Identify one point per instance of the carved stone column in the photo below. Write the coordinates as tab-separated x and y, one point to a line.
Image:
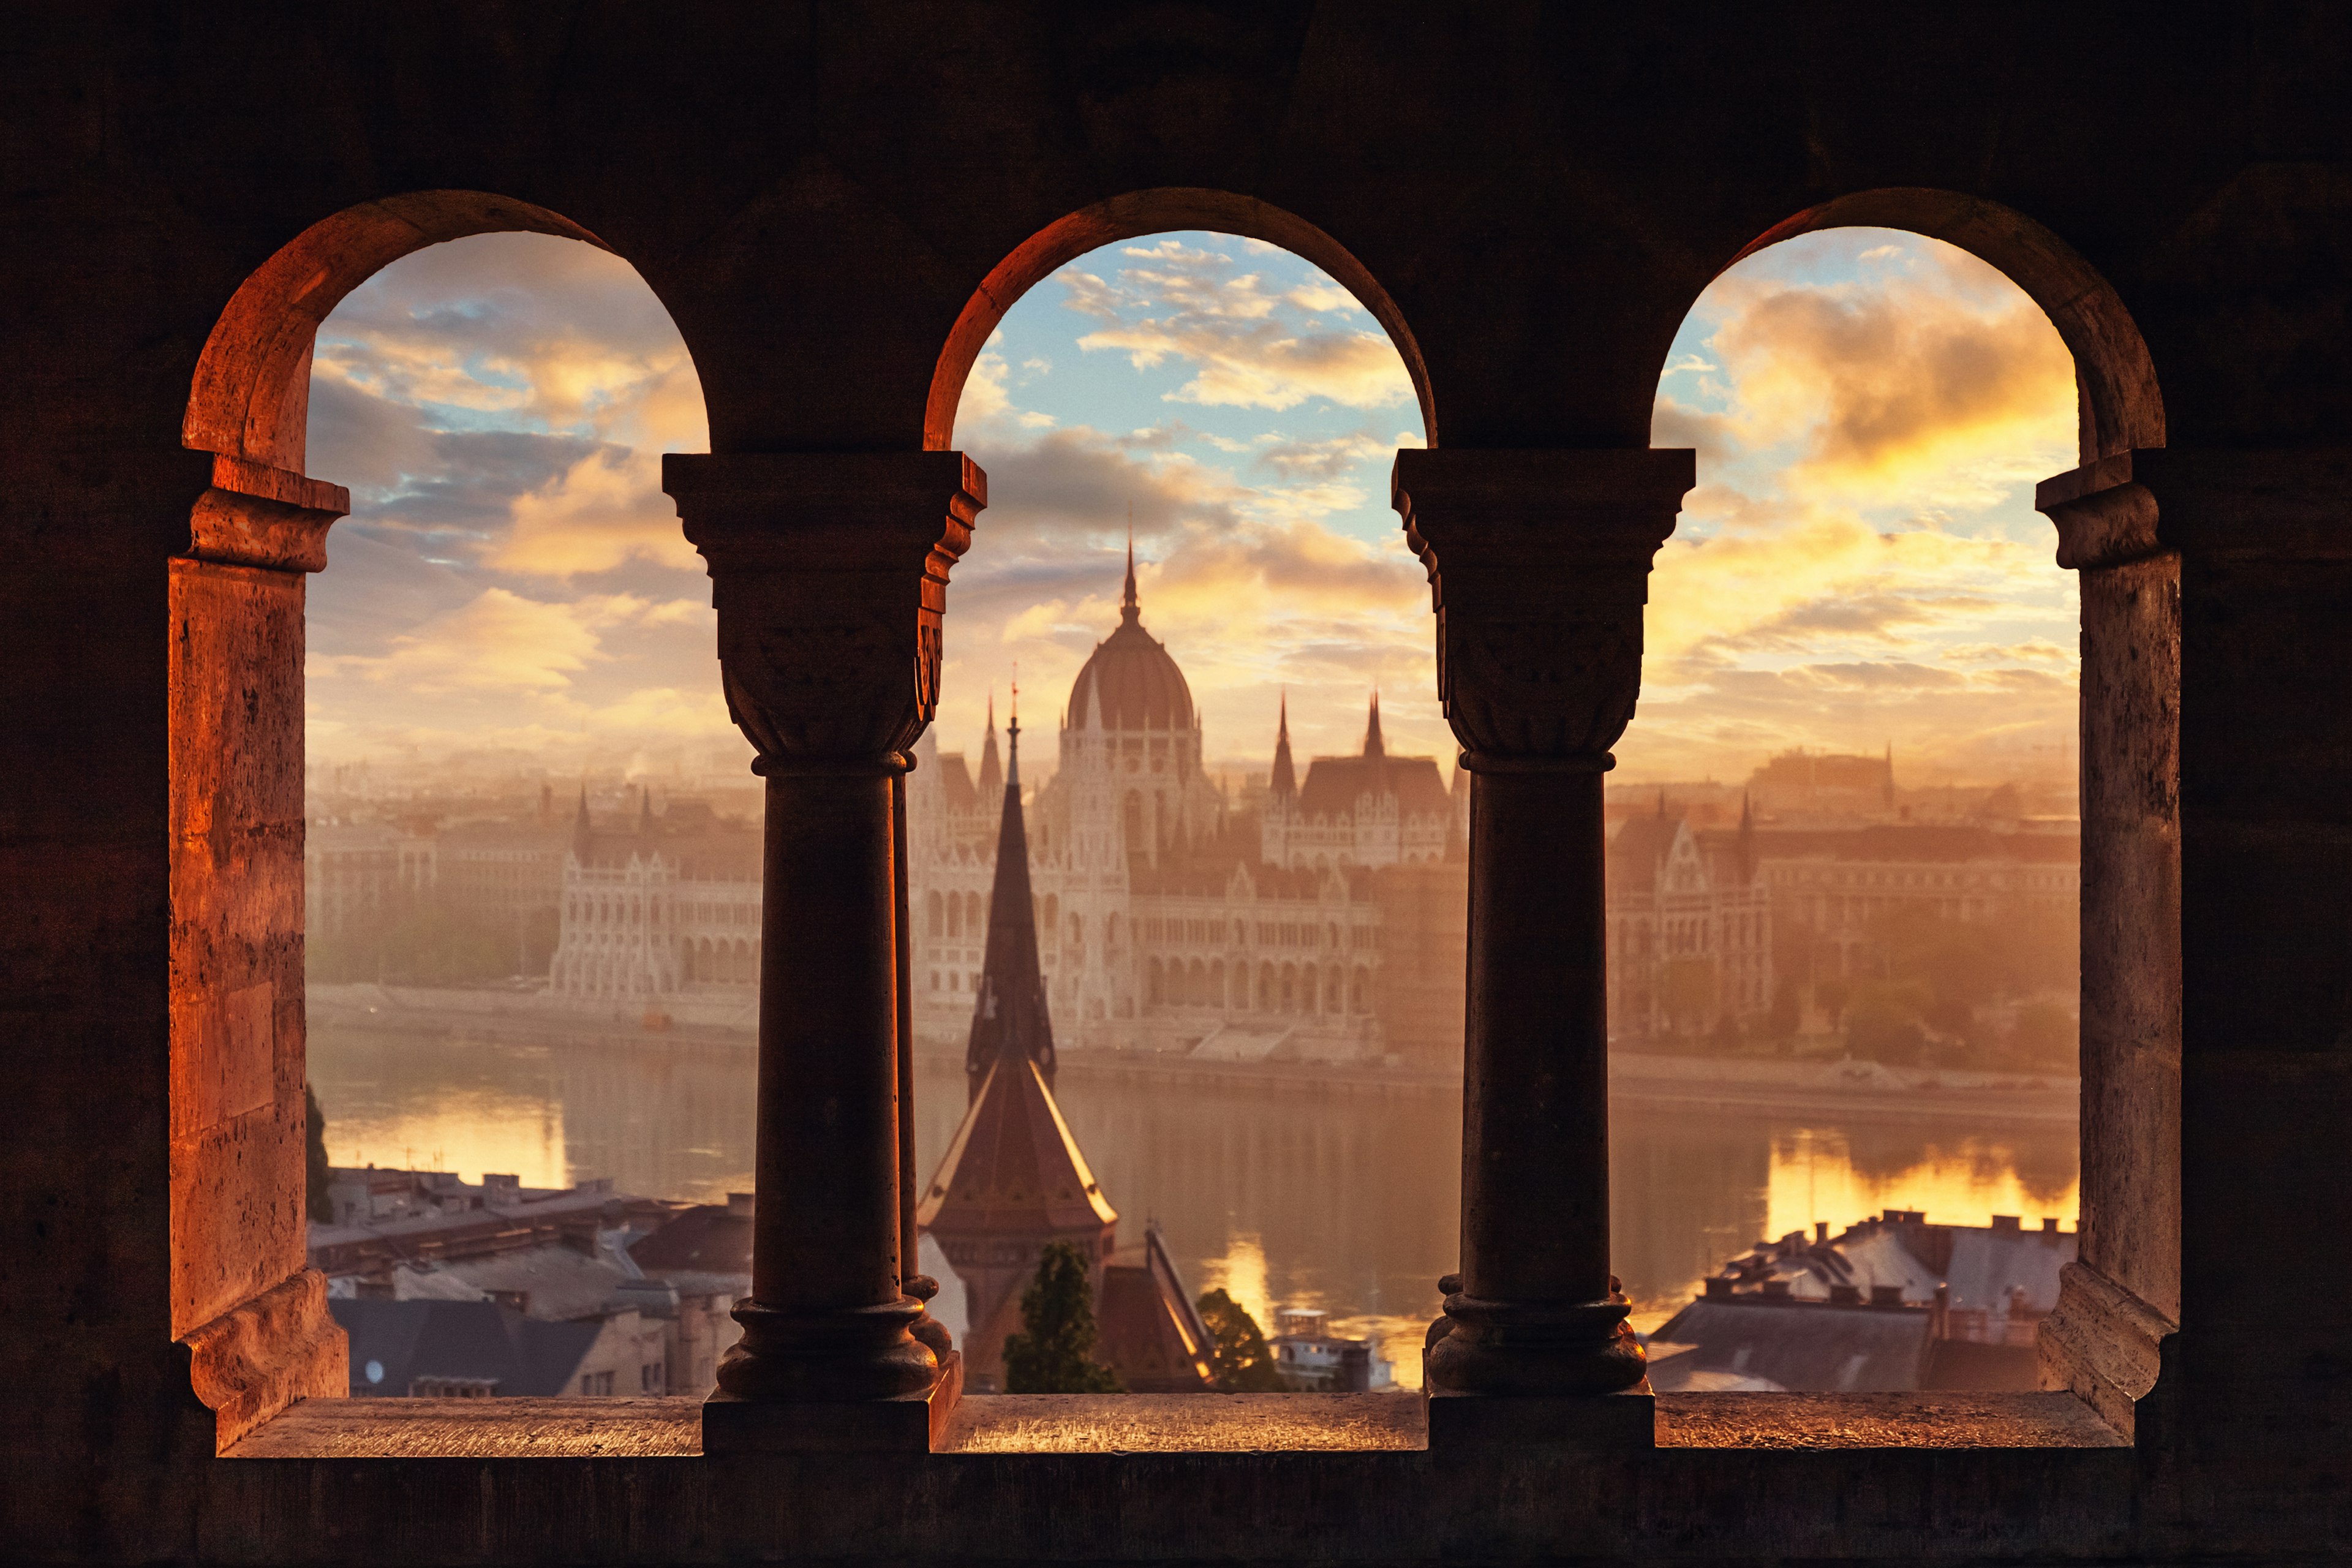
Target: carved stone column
253	1317
829	573
2217	843
1538	566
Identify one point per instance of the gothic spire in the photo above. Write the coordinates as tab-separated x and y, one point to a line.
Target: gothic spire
991	774
584	838
1009	1019
1372	743
1129	610
1284	781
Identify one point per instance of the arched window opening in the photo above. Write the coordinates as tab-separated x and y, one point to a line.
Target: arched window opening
1860	672
521	776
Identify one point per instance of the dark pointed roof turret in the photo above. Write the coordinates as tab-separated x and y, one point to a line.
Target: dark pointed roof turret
1009	1019
1373	745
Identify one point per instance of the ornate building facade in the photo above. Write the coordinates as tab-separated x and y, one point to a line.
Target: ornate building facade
1690	927
1170	920
661	920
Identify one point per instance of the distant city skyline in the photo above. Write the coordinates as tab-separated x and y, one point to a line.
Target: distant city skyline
1859	565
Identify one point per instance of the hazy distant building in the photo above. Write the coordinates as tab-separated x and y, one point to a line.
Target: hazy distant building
1689	927
356	873
1824	784
507	877
660	919
1328	924
1836	884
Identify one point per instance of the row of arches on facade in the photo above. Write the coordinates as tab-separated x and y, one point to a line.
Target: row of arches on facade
1267	988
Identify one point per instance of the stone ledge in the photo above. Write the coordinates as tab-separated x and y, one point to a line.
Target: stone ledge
1043	1424
1186	1423
1804	1422
479	1429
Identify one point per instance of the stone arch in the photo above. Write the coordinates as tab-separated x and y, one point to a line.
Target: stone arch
934	915
975	916
251	394
2121	405
1130	216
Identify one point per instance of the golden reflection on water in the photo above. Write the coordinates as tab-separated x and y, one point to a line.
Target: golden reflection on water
466	1130
1240	1274
1815	1177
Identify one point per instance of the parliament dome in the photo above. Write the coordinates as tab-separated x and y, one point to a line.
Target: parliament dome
1133	676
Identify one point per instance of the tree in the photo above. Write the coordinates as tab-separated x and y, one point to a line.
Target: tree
317	1173
1054	1354
1786	1018
1244	1362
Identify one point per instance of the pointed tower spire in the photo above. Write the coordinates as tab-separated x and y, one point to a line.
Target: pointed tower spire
1284	780
1009	1020
1131	611
644	811
1373	745
991	772
1746	839
584	838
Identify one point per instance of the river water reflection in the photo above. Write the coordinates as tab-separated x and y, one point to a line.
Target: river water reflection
1340	1198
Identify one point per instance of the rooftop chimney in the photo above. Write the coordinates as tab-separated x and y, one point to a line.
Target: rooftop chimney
1886	1295
1718	1288
2007	1225
1776	1287
1845	1295
1821	1232
2049	1230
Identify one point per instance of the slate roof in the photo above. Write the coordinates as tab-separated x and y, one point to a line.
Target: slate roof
704	1239
1151	1335
1799	1346
1013	1168
475	1340
1334	785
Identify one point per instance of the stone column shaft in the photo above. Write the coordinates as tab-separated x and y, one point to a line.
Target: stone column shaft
829	575
1538	564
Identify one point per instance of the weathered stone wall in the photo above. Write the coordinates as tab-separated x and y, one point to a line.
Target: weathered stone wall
1531	197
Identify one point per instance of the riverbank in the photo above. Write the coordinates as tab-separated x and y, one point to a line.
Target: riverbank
1638	1082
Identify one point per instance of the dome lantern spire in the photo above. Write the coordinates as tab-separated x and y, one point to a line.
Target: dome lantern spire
1130	612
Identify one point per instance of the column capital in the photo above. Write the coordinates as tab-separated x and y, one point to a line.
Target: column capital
2281	504
829	572
256	515
1538	564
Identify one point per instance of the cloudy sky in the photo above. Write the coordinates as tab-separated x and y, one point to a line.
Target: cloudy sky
1860	566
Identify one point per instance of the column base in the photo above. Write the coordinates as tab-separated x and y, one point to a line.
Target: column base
1597	1422
908	1424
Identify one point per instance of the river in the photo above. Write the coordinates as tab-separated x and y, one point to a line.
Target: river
1302	1194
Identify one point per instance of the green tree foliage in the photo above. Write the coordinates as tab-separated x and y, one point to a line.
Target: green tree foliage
1054	1354
316	1171
1832	995
1244	1363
